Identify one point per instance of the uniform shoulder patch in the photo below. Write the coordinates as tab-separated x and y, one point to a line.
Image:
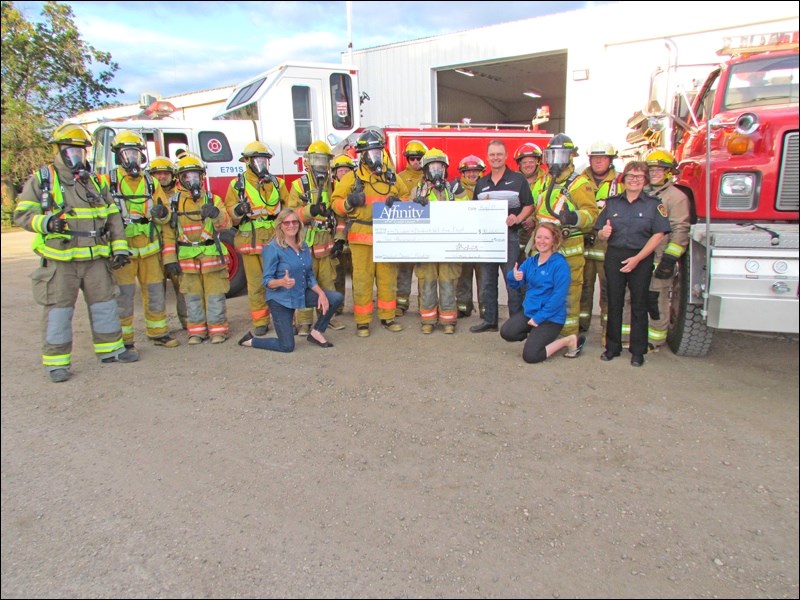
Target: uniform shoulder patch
662	210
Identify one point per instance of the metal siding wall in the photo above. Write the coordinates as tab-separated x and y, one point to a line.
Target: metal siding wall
618	76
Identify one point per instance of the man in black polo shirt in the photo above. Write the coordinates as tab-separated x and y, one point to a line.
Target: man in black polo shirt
502	183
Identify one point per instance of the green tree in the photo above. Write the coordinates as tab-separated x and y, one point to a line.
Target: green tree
48	74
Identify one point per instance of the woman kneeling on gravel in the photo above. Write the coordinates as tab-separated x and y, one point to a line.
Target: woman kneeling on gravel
544	310
290	284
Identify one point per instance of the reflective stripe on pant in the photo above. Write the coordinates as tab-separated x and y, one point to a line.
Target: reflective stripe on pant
55	287
437	284
405	274
180	301
576	263
366	274
205	302
150	275
256	295
593	270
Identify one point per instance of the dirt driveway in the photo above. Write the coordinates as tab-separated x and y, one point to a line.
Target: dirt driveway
398	466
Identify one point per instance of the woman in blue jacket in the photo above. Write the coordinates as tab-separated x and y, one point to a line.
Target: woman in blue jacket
290	284
546	278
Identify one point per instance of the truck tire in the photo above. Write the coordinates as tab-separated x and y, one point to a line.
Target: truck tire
688	334
235	267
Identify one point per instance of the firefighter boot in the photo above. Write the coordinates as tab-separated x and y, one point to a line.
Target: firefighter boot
58	375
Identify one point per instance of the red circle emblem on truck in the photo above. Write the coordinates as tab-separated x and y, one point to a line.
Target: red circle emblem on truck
214	146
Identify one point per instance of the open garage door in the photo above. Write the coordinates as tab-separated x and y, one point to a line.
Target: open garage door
502	92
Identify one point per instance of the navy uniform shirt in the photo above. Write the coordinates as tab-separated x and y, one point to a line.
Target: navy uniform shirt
510	181
633	223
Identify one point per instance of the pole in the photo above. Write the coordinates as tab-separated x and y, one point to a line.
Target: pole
349	6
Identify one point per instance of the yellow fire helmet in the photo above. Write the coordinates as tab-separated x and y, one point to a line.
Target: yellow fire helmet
127	139
256	149
71	134
434	155
342	160
415	148
161	163
190	162
662	158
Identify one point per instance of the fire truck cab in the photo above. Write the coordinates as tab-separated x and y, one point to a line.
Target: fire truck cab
736	142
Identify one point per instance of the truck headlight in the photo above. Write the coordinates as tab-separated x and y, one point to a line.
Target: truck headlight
737	191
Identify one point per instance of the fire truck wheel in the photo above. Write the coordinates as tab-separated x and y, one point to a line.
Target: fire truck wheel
688	333
235	268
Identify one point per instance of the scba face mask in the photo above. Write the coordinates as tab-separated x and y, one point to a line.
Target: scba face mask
557	159
374	160
192	181
131	159
260	166
319	166
436	173
75	159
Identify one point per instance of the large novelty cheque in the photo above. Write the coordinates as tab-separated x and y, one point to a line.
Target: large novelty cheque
462	231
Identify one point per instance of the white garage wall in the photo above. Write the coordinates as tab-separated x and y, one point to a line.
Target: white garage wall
620	44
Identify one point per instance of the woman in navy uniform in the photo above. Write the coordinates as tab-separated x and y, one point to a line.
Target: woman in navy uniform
634	223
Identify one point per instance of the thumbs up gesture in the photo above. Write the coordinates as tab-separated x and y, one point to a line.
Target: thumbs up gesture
288	282
606	231
518	275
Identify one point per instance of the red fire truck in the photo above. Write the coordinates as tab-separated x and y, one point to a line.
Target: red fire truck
736	141
287	108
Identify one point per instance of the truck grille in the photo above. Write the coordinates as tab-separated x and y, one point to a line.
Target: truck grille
788	185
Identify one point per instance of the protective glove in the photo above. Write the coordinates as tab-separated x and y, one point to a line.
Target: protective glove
568	217
666	268
120	260
172	270
391	200
356	199
421	200
652	306
338	248
241	209
56	225
209	211
159	212
391	178
317	210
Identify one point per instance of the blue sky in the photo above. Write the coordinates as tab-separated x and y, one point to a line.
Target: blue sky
178	47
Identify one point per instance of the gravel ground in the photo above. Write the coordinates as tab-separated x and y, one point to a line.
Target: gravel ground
398	466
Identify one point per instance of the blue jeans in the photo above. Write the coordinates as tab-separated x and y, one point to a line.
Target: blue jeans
489	289
282	320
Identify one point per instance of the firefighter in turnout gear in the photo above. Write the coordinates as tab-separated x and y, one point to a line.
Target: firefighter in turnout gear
143	206
529	162
162	170
353	198
601	179
661	169
471	168
253	201
79	234
340	166
310	197
437	281
411	176
192	248
574	209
